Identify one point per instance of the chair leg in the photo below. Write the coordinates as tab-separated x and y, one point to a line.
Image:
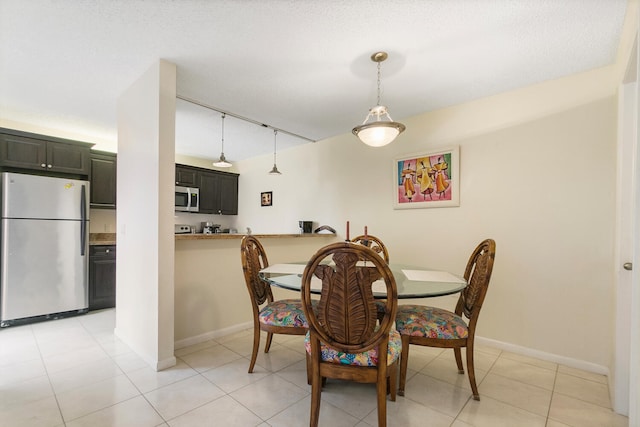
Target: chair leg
316	389
381	388
392	380
256	346
458	354
267	346
404	359
471	371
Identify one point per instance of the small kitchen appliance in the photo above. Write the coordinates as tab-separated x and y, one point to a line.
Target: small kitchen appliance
187	199
182	229
305	226
210	228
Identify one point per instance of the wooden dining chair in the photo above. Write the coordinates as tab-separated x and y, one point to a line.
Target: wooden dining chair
436	327
344	339
376	245
373	243
269	315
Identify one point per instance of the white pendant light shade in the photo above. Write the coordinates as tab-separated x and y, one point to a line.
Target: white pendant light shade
377	132
222	162
378	128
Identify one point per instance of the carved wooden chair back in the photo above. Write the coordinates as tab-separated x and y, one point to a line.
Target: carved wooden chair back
254	259
269	315
373	243
478	274
344	321
437	327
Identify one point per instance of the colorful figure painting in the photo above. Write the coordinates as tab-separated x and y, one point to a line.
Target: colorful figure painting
427	180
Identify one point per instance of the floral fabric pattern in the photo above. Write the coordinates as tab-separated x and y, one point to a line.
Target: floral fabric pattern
430	322
286	312
368	358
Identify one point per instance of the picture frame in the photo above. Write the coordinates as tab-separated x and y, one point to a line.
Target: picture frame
266	198
427	180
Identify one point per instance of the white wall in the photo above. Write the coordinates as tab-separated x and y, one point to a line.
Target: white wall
144	277
538	178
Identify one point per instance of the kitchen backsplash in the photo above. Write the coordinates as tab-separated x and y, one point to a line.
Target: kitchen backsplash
104	220
195	219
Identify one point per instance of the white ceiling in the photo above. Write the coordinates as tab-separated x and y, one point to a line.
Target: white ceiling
302	66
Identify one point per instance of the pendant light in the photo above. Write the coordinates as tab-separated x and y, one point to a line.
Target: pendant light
275	170
377	131
222	163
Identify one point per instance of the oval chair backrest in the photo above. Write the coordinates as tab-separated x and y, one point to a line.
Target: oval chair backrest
477	274
373	243
346	315
254	259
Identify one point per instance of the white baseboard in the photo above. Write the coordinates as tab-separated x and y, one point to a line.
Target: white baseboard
186	342
525	351
549	357
165	363
158	365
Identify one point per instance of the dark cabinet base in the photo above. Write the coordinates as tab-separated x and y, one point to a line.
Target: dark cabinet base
102	277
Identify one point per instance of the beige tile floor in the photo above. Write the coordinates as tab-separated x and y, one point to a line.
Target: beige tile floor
74	372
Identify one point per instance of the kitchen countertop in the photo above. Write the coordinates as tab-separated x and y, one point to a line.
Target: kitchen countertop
110	238
102	239
219	236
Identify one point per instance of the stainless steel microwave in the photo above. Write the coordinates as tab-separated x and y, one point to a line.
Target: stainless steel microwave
187	199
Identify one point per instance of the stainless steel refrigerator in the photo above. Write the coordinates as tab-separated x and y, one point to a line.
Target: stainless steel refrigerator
44	247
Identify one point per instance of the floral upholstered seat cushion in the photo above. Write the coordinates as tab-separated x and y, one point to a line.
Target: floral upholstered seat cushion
287	313
367	358
381	307
430	322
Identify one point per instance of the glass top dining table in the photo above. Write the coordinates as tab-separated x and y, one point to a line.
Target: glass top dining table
411	281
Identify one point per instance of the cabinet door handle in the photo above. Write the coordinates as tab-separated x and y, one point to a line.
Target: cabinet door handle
49	166
43	165
108	250
627	266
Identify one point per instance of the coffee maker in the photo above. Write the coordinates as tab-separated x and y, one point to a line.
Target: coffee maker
305	226
210	228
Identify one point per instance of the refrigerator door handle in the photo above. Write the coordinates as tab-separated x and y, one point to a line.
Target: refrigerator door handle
83	220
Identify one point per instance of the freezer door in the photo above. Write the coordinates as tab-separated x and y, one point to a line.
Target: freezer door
32	196
42	269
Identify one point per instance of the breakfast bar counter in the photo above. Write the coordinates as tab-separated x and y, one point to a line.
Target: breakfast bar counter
210	294
215	236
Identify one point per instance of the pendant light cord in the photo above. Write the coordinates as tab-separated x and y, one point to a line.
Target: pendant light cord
378	84
223	116
275	137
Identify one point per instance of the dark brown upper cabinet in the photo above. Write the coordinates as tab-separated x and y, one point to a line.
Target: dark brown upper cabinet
186	176
43	154
103	179
218	190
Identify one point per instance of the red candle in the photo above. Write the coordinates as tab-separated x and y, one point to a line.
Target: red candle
347	230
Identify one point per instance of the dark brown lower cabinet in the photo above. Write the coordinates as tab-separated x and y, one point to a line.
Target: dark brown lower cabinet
102	276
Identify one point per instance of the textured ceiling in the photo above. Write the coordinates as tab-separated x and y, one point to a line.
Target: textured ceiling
302	66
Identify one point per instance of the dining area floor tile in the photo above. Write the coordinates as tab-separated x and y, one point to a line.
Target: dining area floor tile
74	372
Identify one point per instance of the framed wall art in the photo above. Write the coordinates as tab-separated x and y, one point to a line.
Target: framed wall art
266	198
427	180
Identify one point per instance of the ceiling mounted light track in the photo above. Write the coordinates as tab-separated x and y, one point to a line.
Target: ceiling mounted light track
222	163
275	170
246	119
376	130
